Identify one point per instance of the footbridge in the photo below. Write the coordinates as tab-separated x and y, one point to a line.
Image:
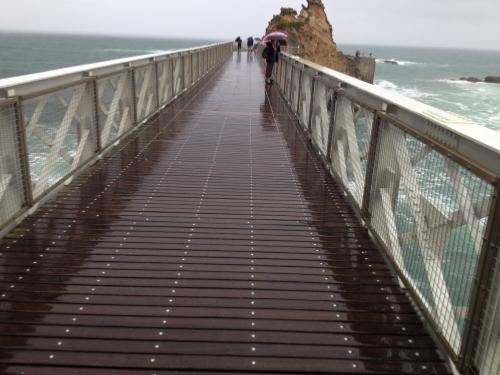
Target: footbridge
170	214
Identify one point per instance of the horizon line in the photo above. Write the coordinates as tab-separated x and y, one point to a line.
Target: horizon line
124	36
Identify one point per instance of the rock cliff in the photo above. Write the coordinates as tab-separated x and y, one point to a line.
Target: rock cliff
310	36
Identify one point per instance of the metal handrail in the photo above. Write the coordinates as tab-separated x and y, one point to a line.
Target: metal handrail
55	124
426	184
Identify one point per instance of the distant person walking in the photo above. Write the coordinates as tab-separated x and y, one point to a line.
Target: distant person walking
250	43
271	54
238	40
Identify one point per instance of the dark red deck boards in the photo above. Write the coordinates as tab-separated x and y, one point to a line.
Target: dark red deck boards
210	242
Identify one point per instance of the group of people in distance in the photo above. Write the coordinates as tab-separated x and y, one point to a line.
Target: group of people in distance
270	53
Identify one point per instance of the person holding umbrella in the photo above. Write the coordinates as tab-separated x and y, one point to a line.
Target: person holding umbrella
271	55
238	41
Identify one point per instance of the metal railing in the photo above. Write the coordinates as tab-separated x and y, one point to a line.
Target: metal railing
426	183
53	124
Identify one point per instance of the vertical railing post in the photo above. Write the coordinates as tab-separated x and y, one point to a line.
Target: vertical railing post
134	96
331	126
200	65
24	153
299	94
311	102
278	73
191	76
172	77
203	55
157	82
282	74
95	93
483	284
182	71
370	166
290	84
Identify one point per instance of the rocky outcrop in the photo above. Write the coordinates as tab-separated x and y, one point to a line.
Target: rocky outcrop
471	79
487	79
310	36
492	79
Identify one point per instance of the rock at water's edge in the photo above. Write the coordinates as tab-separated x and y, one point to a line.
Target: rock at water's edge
470	79
492	79
391	62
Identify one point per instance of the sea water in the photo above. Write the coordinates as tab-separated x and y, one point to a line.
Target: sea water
432	76
32	53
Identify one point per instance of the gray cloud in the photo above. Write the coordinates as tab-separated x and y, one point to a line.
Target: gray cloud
444	23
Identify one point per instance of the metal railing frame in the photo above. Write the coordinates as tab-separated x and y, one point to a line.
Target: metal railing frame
473	147
16	90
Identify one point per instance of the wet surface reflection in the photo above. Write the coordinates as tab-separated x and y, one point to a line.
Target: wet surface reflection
213	240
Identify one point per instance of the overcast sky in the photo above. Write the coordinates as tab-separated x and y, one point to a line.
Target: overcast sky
436	23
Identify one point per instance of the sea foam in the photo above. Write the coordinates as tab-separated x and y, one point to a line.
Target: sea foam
399	62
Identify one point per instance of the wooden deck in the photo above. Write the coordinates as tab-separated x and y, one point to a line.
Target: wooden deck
210	242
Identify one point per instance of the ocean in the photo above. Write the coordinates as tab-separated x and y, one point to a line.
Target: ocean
429	75
32	53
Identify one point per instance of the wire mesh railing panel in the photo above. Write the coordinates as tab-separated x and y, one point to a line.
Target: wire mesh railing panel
431	215
428	198
60	132
351	145
188	73
12	197
145	91
54	126
486	359
165	80
322	109
115	107
304	106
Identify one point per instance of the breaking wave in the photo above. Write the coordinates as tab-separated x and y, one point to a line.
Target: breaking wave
399	62
411	92
125	50
386	84
458	82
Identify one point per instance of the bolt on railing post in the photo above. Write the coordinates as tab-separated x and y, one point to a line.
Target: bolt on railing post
370	166
483	282
23	152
